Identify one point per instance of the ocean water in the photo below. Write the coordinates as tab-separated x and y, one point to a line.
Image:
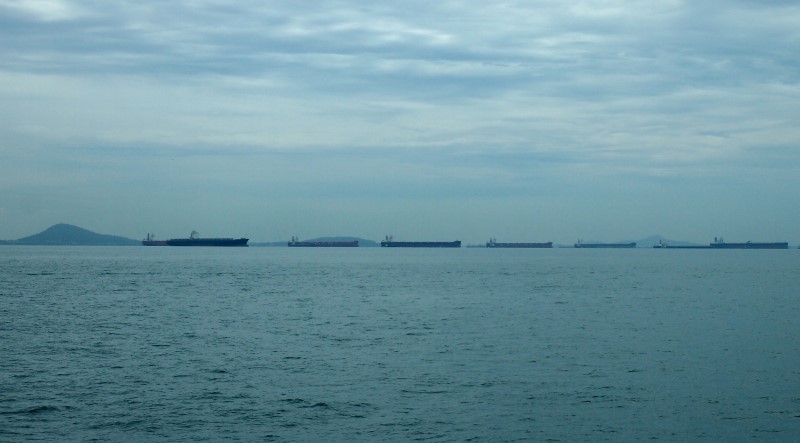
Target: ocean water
370	344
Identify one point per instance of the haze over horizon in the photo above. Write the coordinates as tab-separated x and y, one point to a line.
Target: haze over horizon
525	121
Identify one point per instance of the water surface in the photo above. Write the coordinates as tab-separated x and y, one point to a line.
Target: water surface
284	344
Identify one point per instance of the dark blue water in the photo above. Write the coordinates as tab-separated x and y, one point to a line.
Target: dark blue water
279	344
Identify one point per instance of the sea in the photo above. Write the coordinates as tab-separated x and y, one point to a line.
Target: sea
386	344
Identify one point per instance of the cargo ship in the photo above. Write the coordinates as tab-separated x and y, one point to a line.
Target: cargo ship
390	243
662	245
296	243
195	240
581	244
492	243
719	243
151	241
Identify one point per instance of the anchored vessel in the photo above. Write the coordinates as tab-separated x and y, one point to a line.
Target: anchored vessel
390	243
662	245
296	243
492	243
151	241
581	244
719	243
195	240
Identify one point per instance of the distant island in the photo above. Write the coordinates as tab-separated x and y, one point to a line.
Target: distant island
64	234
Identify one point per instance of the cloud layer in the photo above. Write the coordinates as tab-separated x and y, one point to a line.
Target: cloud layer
396	105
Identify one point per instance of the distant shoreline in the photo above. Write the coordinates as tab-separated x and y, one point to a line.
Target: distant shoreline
63	234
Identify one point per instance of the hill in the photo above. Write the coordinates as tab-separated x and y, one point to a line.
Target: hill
63	234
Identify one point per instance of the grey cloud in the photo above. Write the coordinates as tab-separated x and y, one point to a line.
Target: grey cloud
511	98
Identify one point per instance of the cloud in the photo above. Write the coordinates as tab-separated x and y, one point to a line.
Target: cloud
507	99
43	10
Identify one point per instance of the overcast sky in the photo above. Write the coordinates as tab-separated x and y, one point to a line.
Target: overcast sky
523	120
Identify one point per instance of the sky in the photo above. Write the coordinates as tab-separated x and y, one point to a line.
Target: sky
528	120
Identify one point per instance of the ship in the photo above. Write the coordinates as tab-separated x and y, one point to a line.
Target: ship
390	243
662	245
195	240
581	244
493	243
296	243
151	241
719	243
